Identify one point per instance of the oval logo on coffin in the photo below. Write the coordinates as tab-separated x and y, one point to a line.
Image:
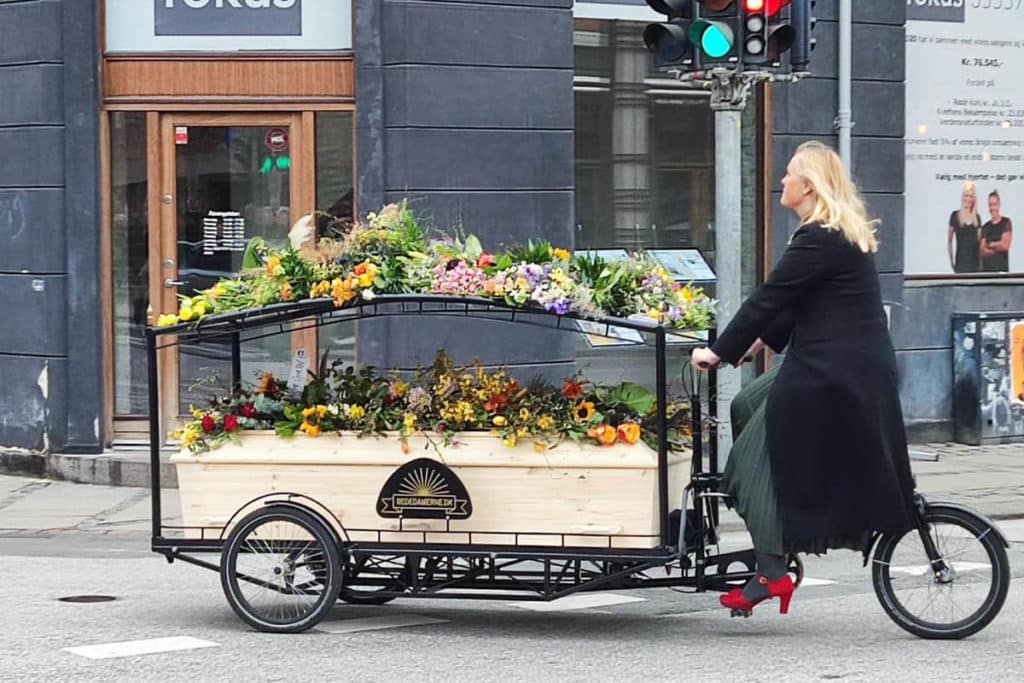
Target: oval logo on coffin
424	489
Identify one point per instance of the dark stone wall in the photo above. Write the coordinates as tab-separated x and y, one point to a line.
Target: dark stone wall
466	109
49	198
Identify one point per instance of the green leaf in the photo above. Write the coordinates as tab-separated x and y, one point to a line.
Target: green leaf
473	248
631	397
504	262
285	429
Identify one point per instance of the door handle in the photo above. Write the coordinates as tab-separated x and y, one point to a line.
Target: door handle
169	283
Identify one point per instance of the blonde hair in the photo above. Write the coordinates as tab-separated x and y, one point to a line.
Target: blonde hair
969	216
838	204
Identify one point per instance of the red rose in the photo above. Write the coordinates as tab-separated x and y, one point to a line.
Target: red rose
208	424
249	410
230	423
485	260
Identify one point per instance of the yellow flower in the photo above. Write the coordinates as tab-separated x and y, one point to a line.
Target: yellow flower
655	314
274	267
200	308
545	422
320	289
539	447
521	432
583	411
510	441
310	429
500	421
321	410
524	414
687	295
189	437
185	313
166	319
356	412
561	254
400	388
308	412
365	280
219	290
409	421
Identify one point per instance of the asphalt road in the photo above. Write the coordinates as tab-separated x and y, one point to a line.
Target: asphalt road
835	630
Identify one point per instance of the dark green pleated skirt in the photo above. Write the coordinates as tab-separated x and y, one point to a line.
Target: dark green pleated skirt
748	472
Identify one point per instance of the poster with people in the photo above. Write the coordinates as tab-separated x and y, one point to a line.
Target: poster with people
965	137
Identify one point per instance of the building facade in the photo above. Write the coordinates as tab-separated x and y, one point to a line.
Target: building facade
148	141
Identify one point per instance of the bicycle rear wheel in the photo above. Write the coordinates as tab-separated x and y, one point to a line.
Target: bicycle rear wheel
954	596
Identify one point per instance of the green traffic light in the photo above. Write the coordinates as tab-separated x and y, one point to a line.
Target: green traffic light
715	38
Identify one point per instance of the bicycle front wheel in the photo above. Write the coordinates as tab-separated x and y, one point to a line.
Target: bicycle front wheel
954	596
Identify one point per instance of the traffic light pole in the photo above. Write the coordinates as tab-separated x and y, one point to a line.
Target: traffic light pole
729	93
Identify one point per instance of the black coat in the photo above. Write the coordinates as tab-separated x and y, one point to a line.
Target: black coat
836	440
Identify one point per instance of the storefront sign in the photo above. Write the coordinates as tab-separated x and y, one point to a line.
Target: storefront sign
228	17
228	25
424	489
965	124
277	139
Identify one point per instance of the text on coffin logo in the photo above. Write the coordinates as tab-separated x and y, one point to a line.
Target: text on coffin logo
424	489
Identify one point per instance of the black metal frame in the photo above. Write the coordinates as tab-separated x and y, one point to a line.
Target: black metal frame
449	569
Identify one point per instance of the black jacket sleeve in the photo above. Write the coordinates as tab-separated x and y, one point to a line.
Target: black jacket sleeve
779	331
803	264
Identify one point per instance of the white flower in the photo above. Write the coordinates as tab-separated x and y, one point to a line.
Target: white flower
369	295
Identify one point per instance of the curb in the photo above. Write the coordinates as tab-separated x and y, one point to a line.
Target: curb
113	468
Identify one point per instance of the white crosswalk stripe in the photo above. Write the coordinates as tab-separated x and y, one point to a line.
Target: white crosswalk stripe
133	648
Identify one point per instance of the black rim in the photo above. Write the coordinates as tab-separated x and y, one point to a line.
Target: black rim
960	592
280	570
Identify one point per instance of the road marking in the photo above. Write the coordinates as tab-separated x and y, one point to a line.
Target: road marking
922	569
808	581
132	648
376	623
578	602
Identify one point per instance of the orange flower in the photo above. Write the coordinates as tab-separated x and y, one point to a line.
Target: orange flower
341	292
629	432
603	434
286	291
360	269
572	389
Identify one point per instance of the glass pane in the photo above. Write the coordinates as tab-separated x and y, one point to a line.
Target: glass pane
335	206
232	186
644	167
130	243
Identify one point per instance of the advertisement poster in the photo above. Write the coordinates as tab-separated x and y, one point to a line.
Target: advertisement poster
1017	362
965	136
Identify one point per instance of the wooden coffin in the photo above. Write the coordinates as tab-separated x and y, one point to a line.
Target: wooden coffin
574	495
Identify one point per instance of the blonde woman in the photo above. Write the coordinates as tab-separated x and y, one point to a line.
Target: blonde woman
820	457
965	230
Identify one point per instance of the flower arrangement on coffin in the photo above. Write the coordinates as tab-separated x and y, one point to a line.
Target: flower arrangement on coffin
390	254
442	400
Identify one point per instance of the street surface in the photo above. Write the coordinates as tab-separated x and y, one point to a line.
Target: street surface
60	539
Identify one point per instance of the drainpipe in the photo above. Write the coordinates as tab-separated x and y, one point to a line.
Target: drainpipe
844	122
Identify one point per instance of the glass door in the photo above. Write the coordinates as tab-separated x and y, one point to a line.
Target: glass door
227	180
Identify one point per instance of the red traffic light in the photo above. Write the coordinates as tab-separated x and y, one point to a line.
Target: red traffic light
769	7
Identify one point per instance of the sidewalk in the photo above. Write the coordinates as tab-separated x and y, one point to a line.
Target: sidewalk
987	478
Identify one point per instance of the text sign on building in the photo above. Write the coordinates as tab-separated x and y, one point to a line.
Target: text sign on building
154	26
228	17
938	10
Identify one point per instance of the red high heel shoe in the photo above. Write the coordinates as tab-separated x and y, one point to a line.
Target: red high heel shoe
780	588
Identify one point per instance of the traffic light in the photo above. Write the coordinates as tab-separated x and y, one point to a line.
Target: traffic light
804	22
715	31
766	35
670	41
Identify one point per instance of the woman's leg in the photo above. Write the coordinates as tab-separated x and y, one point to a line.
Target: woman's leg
771	567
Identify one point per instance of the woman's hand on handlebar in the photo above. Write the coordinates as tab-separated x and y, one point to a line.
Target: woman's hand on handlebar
704	359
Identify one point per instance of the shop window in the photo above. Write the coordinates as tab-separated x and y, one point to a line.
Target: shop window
335	203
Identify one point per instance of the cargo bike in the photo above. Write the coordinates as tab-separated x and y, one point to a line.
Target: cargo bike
293	535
